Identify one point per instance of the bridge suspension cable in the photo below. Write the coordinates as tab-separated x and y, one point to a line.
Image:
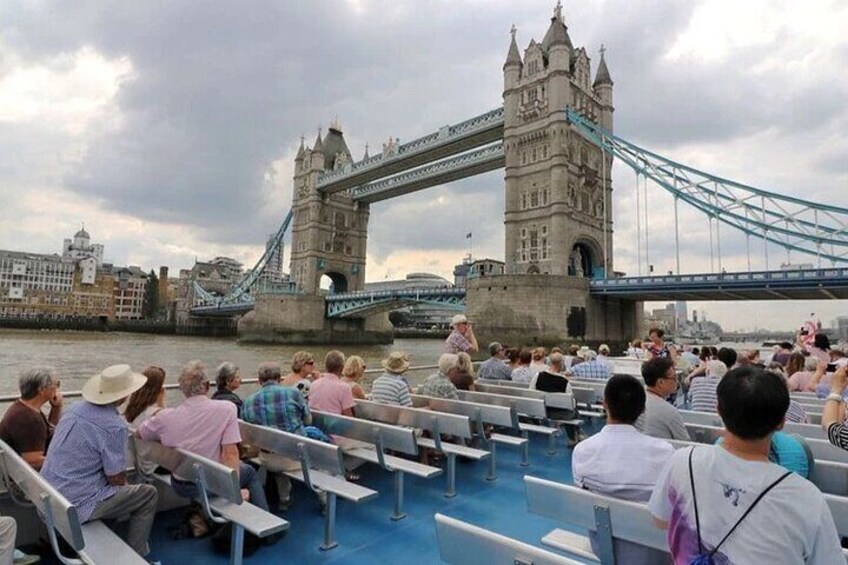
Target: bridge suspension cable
792	223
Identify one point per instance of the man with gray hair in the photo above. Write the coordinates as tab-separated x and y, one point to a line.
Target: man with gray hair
439	384
591	368
206	427
494	367
24	427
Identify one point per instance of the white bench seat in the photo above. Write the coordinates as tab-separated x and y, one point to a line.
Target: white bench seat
455	449
405	465
102	545
337	484
572	543
505	439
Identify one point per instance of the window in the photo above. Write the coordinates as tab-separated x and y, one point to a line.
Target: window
534	199
544	199
523	201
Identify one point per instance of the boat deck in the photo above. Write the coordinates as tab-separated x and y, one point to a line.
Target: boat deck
366	534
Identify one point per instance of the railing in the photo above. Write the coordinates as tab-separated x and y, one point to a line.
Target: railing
753	276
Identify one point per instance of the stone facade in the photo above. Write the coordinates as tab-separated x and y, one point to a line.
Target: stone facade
558	212
329	232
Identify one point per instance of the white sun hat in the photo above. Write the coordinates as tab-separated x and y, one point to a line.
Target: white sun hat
112	384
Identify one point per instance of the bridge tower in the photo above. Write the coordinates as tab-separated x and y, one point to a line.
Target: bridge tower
329	232
558	205
558	190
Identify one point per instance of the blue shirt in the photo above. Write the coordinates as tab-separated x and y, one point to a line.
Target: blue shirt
278	406
593	369
88	445
494	368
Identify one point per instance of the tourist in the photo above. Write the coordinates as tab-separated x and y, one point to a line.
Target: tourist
833	413
512	359
352	373
620	462
227	380
24	427
783	353
553	380
692	356
591	367
462	337
727	356
785	519
821	381
604	357
661	419
281	407
522	373
494	368
87	458
702	391
391	387
463	377
206	427
329	393
820	347
439	385
801	370
537	361
302	372
144	403
635	349
656	347
8	534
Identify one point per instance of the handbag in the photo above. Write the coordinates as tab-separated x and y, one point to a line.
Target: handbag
706	557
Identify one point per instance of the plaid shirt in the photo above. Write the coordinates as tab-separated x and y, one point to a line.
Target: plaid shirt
591	370
439	386
277	406
456	342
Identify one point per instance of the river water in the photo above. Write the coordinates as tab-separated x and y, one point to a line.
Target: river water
79	355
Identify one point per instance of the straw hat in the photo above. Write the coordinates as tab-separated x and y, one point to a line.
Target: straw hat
458	319
112	384
397	362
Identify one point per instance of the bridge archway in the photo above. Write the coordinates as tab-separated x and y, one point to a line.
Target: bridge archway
333	283
585	259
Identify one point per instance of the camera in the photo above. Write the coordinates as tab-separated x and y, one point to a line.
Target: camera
831	368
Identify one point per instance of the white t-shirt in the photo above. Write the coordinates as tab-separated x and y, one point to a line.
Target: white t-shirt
791	524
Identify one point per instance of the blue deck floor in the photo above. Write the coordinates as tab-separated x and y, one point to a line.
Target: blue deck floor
366	534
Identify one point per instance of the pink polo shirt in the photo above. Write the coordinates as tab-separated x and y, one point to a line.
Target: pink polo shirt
199	425
330	394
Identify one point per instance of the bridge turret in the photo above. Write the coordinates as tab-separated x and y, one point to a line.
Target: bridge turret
603	90
513	64
318	153
557	44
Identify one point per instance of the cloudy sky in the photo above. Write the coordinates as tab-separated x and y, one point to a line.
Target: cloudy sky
170	127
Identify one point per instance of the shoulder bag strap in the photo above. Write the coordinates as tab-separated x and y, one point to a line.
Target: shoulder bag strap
748	511
695	502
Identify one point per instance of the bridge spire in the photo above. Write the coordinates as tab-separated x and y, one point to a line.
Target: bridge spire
603	76
513	57
318	143
366	156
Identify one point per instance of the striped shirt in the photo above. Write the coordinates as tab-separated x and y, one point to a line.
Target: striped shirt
702	394
837	434
278	406
89	444
796	413
391	388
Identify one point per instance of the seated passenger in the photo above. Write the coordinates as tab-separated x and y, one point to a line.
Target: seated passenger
537	360
553	380
352	373
522	373
206	427
619	461
144	403
8	533
303	372
784	518
87	463
833	413
604	357
329	393
391	387
591	368
660	418
463	377
702	391
227	380
439	385
281	407
494	367
801	371
24	427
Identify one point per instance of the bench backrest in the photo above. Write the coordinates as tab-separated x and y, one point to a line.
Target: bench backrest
501	382
533	407
585	395
220	480
451	424
42	495
391	437
838	506
458	540
322	456
711	419
489	413
509	391
631	521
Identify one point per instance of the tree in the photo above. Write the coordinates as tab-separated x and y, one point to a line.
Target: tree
151	296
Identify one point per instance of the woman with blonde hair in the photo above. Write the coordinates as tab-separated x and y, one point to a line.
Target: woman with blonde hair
352	373
303	372
463	377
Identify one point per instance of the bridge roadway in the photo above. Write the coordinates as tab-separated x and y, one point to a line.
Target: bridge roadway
448	141
809	284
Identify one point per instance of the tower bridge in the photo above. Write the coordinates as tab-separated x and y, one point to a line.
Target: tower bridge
554	138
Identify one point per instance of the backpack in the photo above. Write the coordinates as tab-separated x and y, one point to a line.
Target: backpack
706	557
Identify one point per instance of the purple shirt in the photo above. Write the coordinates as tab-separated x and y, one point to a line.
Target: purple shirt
199	425
89	444
456	342
330	394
